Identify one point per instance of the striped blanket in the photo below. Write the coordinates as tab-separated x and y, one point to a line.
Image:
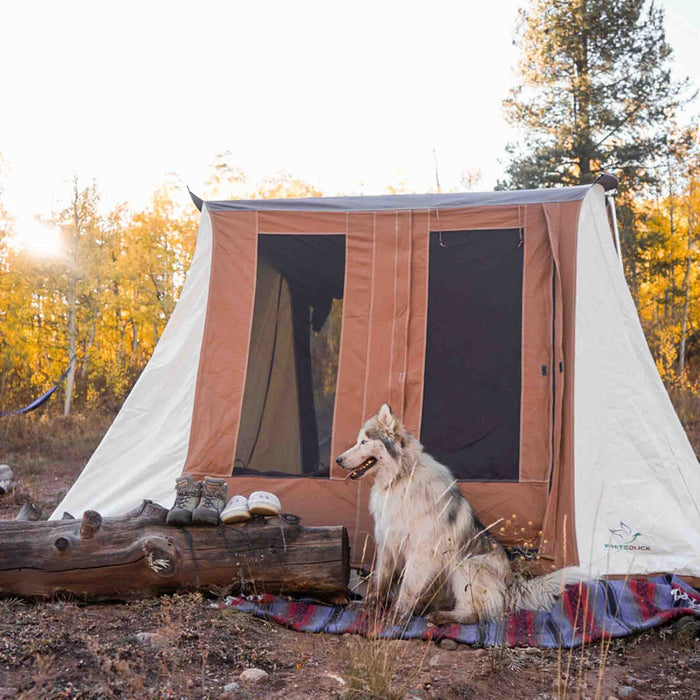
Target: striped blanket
585	613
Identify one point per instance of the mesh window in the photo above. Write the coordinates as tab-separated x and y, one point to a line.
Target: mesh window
289	394
471	400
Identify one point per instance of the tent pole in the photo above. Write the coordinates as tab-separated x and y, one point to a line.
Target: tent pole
613	216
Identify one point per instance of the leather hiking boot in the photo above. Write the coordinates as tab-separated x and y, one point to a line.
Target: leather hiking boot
212	503
189	492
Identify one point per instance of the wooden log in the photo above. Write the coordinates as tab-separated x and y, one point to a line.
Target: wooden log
138	555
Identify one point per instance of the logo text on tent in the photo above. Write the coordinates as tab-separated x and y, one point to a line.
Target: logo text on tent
624	538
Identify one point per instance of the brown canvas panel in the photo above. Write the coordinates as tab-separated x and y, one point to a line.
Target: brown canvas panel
352	363
536	403
560	526
382	313
495	503
418	320
402	296
386	271
477	218
301	222
224	354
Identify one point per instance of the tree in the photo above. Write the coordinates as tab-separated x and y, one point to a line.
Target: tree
596	92
81	225
668	274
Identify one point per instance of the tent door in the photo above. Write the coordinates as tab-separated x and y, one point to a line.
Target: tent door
472	390
290	385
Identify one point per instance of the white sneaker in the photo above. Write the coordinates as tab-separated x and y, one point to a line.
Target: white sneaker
236	510
264	503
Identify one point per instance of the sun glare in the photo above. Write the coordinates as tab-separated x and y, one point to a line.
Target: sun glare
37	238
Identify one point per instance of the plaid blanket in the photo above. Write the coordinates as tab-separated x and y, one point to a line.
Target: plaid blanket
585	613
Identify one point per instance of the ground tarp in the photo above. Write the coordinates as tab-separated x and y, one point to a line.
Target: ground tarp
585	614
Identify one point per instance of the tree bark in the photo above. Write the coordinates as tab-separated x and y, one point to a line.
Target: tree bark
72	298
72	337
138	555
686	281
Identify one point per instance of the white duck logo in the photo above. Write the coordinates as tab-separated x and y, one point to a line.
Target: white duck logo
624	533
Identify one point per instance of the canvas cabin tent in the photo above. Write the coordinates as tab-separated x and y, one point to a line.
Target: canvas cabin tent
498	326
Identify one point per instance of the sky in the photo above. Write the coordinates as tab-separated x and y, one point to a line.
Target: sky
350	97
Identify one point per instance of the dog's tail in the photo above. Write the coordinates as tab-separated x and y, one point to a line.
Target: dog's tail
541	592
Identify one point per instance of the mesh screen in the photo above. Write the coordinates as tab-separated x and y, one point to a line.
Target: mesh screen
471	400
289	395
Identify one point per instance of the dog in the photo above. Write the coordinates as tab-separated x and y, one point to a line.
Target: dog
433	554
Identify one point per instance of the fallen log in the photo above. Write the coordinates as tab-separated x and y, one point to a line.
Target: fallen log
138	555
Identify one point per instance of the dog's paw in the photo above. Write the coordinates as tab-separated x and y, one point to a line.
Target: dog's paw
447	617
434	619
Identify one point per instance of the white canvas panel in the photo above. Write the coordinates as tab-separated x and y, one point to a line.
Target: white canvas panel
637	480
145	448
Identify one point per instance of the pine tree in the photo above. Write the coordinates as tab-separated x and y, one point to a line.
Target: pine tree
596	92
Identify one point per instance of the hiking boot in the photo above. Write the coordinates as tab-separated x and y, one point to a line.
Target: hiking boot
189	492
212	503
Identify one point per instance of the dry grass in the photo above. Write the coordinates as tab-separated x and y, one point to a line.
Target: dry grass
44	437
375	668
685	397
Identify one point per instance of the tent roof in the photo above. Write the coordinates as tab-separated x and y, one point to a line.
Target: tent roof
393	202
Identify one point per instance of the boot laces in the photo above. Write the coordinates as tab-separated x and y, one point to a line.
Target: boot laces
209	496
182	498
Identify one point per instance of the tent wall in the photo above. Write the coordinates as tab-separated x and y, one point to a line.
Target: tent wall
637	480
559	539
598	435
144	450
383	345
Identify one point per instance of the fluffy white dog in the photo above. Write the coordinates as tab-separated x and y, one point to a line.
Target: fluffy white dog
433	554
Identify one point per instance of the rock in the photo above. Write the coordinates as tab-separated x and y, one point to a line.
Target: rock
254	675
6	486
152	639
448	644
29	511
479	652
533	651
231	687
631	680
626	691
434	660
6	474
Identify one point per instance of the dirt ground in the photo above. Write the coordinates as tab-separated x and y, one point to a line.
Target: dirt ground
188	647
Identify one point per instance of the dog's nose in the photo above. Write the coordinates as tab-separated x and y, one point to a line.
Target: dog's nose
339	460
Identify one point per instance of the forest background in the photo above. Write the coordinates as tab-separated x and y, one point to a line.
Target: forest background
595	94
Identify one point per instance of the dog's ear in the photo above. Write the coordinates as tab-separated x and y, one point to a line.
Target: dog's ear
391	424
385	415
